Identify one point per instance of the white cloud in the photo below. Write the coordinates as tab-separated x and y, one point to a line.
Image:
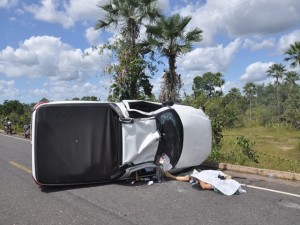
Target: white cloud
213	59
163	5
66	74
63	71
208	59
256	72
259	16
80	10
8	3
55	70
49	12
286	40
232	84
8	90
12	19
45	56
202	17
92	36
40	93
54	91
234	16
240	18
256	45
66	14
68	90
157	82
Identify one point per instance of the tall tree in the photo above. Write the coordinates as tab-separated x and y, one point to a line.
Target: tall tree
172	39
234	94
277	71
292	108
10	106
89	98
250	91
210	83
291	77
293	54
128	16
291	104
233	107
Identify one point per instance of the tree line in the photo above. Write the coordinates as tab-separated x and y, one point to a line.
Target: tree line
277	103
20	113
136	59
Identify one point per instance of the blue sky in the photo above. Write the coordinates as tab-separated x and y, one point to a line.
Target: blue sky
42	43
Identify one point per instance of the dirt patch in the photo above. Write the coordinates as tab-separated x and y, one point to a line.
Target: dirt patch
286	148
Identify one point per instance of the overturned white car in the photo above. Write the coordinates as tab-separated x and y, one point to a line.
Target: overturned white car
81	142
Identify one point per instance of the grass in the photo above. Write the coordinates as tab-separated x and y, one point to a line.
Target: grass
277	147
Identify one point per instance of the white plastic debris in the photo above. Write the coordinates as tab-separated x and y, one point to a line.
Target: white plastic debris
150	182
165	161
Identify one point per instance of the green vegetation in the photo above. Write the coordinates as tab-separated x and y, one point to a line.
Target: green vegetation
259	127
135	58
130	79
276	147
170	38
20	114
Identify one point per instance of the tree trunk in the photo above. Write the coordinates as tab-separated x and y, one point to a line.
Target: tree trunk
277	96
172	79
250	109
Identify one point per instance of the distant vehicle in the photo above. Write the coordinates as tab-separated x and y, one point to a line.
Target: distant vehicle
8	127
83	142
27	131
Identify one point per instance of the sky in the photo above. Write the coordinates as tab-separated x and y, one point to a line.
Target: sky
43	43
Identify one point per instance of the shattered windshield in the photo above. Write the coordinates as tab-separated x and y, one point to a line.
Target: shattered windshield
170	127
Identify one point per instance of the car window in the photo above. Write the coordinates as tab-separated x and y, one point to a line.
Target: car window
171	130
144	106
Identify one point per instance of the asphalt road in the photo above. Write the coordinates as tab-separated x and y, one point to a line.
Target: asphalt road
170	202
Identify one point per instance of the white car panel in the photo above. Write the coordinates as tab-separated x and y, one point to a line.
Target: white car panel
135	136
197	136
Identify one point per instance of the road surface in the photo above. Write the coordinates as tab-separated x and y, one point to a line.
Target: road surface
267	201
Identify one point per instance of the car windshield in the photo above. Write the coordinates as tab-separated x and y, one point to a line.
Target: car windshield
170	127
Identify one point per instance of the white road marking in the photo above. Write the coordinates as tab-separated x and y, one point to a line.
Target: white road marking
271	190
245	185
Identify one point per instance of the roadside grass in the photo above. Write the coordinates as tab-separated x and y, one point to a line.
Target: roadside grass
277	147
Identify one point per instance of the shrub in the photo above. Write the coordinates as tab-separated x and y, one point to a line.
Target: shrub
242	151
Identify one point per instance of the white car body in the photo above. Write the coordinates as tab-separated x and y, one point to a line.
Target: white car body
70	142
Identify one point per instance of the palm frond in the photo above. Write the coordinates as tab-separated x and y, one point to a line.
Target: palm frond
293	54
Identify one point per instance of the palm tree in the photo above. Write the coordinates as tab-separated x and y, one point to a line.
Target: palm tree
128	16
172	39
294	54
250	91
277	71
291	77
234	94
